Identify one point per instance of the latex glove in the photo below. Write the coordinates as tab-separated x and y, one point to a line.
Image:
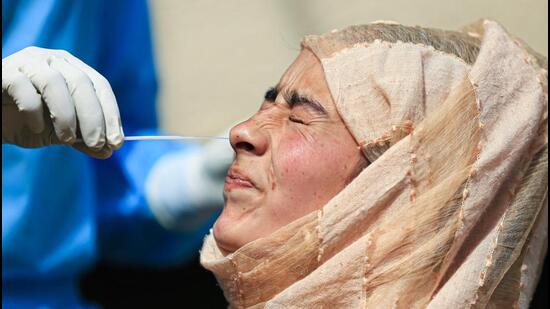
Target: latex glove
185	189
51	97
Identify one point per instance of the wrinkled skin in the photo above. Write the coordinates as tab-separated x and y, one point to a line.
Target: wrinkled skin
290	160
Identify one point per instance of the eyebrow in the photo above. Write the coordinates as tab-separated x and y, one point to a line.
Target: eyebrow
295	98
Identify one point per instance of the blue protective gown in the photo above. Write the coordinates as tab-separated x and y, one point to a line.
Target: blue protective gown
62	210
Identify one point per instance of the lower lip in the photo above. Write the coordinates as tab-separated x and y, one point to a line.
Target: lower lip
234	183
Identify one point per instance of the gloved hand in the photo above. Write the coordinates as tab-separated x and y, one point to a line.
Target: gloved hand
51	97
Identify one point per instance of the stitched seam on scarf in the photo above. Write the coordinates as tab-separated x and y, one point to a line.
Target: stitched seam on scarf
386	139
488	263
540	74
542	78
319	237
465	192
512	193
397	43
237	282
412	168
524	267
365	271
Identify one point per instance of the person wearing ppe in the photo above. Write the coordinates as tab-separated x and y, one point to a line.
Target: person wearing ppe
150	204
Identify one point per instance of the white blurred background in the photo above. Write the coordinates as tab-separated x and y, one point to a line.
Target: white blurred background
215	59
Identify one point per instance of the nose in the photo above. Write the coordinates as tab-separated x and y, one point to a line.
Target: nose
247	137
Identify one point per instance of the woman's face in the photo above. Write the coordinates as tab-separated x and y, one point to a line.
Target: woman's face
292	157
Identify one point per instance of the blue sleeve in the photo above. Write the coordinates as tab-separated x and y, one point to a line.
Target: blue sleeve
128	232
109	211
126	59
48	194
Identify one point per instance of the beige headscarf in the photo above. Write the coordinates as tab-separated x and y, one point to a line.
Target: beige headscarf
452	211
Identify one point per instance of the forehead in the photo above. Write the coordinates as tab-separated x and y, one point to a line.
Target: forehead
305	74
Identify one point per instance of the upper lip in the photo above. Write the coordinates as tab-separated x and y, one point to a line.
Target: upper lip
234	173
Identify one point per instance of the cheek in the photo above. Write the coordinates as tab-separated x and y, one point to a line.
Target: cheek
308	174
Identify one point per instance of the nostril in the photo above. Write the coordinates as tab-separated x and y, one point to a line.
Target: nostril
244	146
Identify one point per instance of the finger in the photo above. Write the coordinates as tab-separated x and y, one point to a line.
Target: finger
87	106
55	94
102	153
22	92
113	126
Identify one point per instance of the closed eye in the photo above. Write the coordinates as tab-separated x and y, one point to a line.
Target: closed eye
296	120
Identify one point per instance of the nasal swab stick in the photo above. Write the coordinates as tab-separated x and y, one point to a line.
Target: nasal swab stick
164	138
168	137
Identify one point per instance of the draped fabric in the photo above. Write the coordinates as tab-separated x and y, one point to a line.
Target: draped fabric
451	212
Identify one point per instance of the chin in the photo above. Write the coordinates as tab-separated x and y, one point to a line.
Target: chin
222	233
238	223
